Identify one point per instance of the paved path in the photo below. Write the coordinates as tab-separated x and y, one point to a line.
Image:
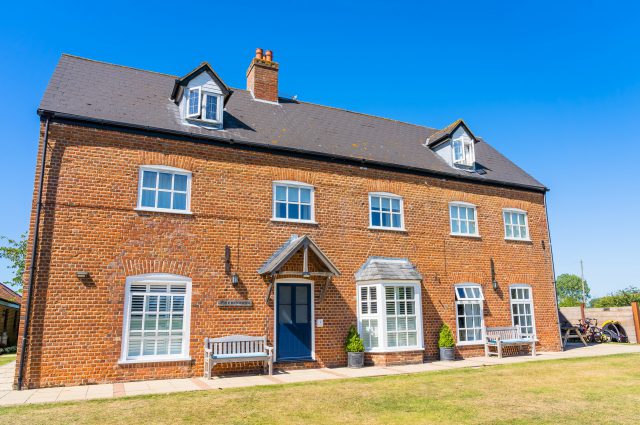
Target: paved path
87	392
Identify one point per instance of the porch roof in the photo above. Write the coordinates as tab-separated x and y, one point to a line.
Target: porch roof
284	253
385	268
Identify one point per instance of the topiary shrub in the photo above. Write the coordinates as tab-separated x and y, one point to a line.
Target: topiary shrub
446	337
354	343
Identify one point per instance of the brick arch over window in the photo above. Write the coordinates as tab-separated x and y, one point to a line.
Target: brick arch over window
134	267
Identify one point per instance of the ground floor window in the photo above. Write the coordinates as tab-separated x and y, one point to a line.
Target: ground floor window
522	310
157	310
469	313
390	316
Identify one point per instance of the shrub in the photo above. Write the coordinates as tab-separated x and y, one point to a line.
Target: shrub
8	350
354	343
446	337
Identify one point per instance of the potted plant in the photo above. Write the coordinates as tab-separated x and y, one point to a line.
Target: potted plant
354	346
446	343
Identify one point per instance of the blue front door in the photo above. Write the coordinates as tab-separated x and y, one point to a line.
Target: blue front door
293	307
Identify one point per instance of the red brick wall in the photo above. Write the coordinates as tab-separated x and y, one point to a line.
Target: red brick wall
262	79
89	223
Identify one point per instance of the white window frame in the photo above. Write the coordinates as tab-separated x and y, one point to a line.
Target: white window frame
526	224
468	159
391	197
163	169
529	301
475	214
197	114
479	300
219	107
297	185
160	279
382	316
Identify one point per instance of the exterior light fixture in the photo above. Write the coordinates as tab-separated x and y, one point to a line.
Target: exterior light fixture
82	275
306	274
235	279
494	282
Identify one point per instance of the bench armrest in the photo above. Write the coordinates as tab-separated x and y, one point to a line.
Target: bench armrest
208	350
269	349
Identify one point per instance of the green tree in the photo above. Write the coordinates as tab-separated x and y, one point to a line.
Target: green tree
569	287
621	298
15	251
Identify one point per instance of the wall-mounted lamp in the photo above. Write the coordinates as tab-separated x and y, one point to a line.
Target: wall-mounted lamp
306	274
494	282
82	275
235	279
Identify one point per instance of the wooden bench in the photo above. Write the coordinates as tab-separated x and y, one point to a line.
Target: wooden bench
237	348
505	337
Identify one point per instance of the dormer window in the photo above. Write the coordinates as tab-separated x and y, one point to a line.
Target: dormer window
203	105
463	152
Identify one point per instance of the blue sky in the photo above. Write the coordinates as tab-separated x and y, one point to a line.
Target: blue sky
554	86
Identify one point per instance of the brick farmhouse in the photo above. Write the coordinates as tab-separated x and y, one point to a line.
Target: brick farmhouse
171	209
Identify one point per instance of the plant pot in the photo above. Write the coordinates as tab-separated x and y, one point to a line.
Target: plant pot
355	360
447	353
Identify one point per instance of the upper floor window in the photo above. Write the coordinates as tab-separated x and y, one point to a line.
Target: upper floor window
164	189
204	105
385	211
469	313
463	219
293	201
463	152
522	310
516	225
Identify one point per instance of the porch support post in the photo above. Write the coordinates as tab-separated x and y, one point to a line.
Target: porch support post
267	297
305	258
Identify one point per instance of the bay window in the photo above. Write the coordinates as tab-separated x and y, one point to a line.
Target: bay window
390	316
469	313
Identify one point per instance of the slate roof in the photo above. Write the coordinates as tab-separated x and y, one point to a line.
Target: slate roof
288	249
112	94
383	268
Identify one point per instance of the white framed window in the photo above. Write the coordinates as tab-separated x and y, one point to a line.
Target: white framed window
516	224
522	309
369	317
204	105
193	102
386	211
463	152
469	313
293	201
157	311
463	219
162	188
390	316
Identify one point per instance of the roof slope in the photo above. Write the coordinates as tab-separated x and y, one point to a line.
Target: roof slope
87	89
8	294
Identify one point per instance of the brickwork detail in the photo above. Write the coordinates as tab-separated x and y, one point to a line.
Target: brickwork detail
89	223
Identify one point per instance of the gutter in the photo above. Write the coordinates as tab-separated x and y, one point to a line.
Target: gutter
553	270
34	253
230	141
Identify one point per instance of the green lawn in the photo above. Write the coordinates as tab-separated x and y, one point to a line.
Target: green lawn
595	390
7	358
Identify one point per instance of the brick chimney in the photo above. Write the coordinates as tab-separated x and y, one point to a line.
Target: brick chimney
262	76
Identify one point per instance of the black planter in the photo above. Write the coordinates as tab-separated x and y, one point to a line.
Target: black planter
355	360
447	353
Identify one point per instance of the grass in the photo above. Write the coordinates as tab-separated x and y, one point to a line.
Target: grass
7	358
588	390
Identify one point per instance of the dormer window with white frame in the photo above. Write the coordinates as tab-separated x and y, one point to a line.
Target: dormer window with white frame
203	105
463	152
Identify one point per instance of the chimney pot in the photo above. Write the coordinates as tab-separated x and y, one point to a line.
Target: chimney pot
262	76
